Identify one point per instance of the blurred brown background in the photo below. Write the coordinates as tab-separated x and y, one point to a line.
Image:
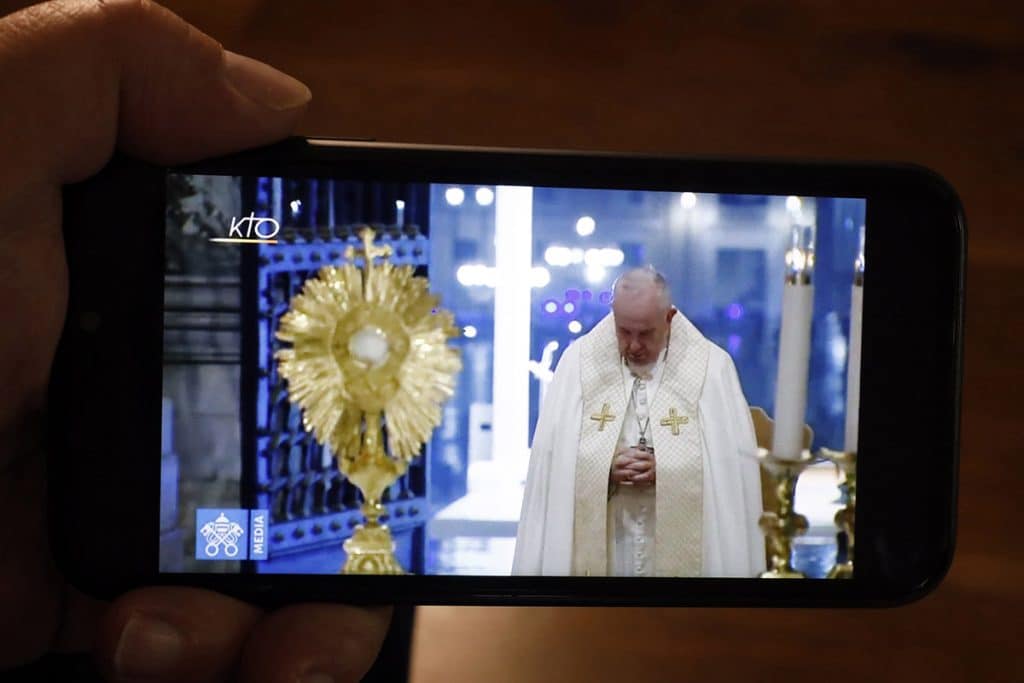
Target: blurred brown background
935	83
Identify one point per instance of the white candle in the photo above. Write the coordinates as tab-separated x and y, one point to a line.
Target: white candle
853	371
853	364
794	354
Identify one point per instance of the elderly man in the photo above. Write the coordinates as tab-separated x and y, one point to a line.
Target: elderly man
638	463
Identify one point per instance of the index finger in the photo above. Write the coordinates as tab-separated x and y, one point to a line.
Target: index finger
132	74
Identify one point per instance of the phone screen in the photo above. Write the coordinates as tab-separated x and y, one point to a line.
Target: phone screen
619	356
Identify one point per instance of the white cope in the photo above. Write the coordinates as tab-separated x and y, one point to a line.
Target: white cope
708	509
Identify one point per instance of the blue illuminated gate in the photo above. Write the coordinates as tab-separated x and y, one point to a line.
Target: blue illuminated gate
313	508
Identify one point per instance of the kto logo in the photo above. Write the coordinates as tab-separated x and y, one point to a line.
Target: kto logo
231	534
251	230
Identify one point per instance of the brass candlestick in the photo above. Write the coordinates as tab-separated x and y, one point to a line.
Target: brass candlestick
847	463
785	524
369	346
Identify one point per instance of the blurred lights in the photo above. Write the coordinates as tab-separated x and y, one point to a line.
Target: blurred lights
585	226
539	276
455	196
837	349
595	274
575	327
569	307
476	275
551	306
688	200
793	203
734	311
560	256
296	205
480	275
484	196
469	332
607	258
734	343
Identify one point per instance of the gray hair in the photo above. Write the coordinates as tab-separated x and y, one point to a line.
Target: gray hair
638	279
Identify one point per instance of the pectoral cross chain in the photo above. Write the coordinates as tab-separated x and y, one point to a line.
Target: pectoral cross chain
674	420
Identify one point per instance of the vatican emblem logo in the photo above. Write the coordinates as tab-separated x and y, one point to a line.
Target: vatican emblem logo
222	534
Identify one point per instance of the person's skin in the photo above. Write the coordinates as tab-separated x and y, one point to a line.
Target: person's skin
79	79
632	466
643	319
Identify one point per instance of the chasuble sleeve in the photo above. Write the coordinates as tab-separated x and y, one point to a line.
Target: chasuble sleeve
733	544
540	521
742	428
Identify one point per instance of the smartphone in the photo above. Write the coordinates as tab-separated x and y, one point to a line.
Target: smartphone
595	317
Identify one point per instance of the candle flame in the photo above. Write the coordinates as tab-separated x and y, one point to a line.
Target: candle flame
799	265
858	265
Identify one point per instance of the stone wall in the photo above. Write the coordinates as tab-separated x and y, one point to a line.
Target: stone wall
201	377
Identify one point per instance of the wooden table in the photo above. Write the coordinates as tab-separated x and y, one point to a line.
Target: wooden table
935	83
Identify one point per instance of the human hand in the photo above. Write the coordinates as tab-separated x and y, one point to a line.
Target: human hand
625	465
78	80
642	468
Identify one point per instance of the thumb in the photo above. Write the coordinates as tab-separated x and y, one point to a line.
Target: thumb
79	78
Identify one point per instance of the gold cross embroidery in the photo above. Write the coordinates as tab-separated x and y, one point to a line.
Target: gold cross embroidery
673	420
603	416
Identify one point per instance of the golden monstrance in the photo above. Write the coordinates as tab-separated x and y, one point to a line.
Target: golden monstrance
369	348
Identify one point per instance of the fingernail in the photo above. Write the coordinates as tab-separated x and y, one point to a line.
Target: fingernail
148	647
316	677
264	84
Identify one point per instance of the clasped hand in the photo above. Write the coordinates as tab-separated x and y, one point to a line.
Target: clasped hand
633	465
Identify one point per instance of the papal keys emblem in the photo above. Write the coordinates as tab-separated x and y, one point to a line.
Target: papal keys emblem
221	532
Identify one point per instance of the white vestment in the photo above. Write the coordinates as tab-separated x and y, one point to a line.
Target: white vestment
700	519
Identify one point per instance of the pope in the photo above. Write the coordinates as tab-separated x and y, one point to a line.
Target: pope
600	499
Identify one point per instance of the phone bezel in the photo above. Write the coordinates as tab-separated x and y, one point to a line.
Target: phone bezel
915	248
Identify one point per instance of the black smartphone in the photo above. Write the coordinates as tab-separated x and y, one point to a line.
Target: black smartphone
365	372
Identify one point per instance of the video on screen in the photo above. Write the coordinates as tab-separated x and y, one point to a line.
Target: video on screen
368	377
